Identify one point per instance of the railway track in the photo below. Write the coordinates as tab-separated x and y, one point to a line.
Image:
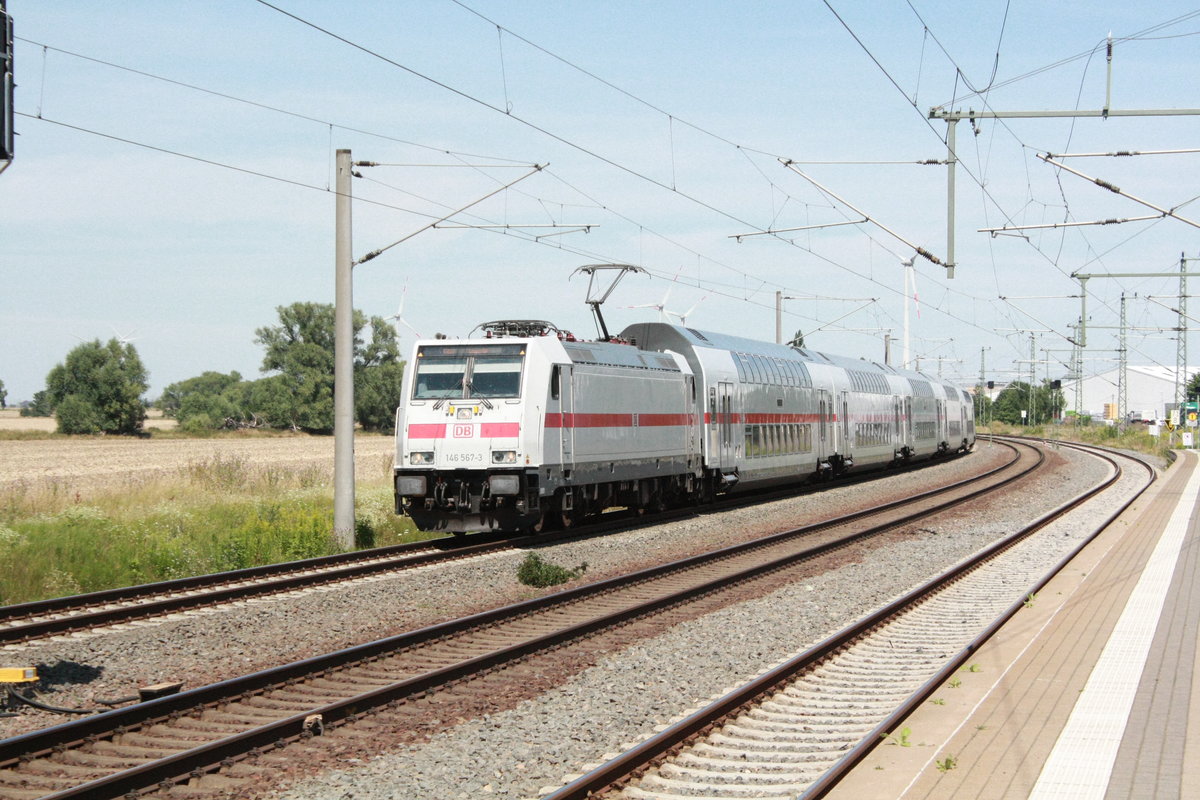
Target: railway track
184	737
44	618
796	730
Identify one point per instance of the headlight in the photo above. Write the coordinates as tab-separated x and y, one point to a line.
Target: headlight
410	485
505	484
420	457
504	456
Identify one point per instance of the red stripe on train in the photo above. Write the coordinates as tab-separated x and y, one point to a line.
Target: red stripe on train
499	430
417	430
763	419
556	420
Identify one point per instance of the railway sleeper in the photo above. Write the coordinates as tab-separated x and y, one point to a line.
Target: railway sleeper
131	751
201	725
23	782
105	761
727	777
56	768
687	788
690	760
712	752
809	746
168	740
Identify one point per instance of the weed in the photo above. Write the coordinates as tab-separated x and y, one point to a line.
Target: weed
899	737
946	764
938	701
954	683
973	668
536	571
1029	599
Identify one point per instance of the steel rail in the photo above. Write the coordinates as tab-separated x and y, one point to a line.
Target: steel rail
619	770
278	578
223	587
210	755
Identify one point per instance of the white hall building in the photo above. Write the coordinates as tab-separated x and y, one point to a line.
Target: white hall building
1150	393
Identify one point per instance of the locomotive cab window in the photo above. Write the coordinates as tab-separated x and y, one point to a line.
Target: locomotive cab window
439	377
495	376
468	371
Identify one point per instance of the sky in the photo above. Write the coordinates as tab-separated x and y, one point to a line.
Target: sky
173	183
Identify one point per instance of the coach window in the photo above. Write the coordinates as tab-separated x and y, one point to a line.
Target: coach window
554	378
760	369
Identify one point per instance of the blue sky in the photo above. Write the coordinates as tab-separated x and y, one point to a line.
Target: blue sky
175	160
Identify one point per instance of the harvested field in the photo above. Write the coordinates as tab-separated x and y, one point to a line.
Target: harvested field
11	420
91	463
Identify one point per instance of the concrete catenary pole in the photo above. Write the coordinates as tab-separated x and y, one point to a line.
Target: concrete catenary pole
343	361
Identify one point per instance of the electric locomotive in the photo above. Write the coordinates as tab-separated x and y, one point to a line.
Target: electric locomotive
527	426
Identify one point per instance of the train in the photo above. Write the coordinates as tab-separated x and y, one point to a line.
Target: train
523	426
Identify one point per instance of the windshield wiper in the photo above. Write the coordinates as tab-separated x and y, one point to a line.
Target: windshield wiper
471	388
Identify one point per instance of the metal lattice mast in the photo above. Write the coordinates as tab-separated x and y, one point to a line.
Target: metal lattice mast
1122	376
1077	371
1032	372
1181	378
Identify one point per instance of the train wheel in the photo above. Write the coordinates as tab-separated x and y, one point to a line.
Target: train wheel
543	522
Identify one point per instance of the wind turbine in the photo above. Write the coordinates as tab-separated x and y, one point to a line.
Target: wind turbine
399	315
126	338
662	304
683	317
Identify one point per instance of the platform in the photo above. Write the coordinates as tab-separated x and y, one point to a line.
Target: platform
1090	692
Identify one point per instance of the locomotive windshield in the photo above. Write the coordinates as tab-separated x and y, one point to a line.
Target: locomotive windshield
468	371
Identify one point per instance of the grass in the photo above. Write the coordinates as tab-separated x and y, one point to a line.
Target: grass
1132	437
211	516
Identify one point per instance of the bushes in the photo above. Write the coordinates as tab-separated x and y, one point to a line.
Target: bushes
536	571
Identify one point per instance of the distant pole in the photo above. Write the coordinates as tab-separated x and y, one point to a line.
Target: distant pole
1181	376
343	362
951	160
907	264
778	317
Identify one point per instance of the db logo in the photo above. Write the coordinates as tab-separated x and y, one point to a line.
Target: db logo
464	431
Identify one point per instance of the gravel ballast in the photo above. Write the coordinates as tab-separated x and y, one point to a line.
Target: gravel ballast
513	753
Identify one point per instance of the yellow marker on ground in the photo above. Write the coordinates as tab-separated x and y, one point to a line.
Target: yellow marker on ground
18	674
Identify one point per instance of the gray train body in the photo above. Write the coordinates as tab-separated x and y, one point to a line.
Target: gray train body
520	432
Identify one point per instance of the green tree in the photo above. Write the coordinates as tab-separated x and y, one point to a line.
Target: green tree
39	407
1011	401
98	388
1193	388
299	351
3	396
983	405
1047	404
207	383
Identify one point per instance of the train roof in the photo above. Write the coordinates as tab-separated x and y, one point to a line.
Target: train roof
663	336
